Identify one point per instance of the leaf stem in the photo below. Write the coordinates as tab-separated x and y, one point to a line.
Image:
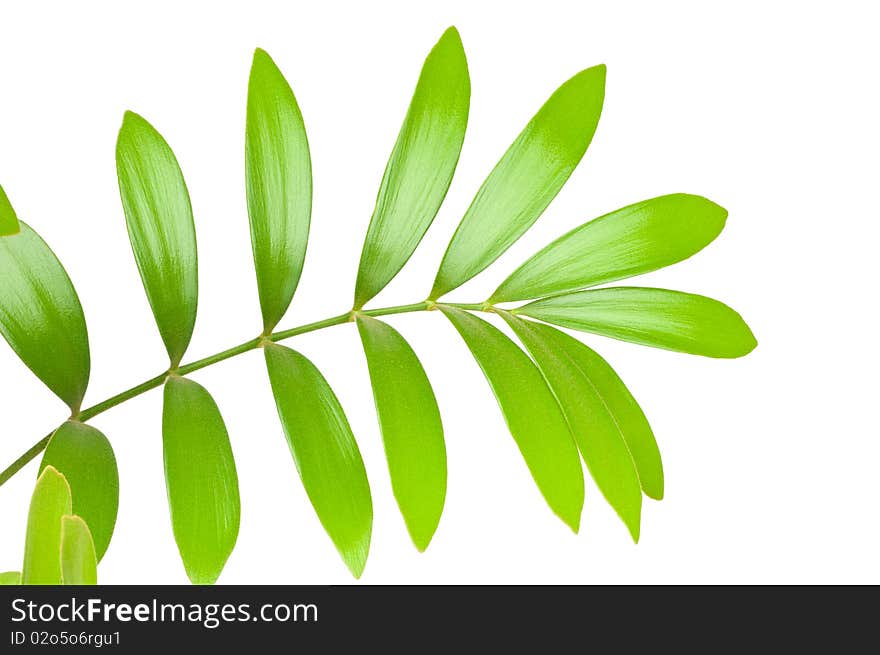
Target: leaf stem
157	381
310	327
119	398
18	464
471	306
400	309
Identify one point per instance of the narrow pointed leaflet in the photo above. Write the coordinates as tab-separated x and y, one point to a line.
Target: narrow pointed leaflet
602	415
278	173
420	168
326	455
41	316
201	479
673	320
84	456
411	427
42	545
160	226
78	563
526	180
636	239
531	412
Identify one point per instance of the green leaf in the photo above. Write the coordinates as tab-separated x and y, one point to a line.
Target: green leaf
160	226
325	453
42	545
684	322
8	219
411	428
610	429
532	414
85	457
201	479
421	166
278	171
10	578
79	565
527	178
41	317
637	239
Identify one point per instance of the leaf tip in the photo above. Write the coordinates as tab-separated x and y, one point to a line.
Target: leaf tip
52	476
356	552
634	531
422	538
50	471
451	35
9	224
655	490
717	211
708	209
597	73
356	563
261	57
571	516
202	578
573	522
70	520
131	121
753	343
130	117
742	341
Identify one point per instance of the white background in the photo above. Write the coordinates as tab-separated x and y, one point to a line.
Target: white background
770	109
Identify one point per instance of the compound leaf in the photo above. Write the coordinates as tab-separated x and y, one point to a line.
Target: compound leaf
41	317
42	545
79	566
159	219
411	428
636	239
85	457
673	320
421	166
531	412
201	479
278	171
527	178
610	429
326	455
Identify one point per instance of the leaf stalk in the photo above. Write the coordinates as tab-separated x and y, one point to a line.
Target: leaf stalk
186	369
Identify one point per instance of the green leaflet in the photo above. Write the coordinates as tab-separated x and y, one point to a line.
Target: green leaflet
325	453
201	479
10	578
421	166
160	226
610	429
8	219
527	178
84	456
278	170
636	239
652	317
411	428
42	545
40	315
78	563
531	412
